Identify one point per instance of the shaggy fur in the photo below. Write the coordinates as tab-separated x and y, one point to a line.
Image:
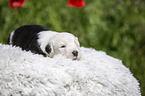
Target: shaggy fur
96	74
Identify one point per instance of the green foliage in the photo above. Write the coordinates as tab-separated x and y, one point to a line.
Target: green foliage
115	26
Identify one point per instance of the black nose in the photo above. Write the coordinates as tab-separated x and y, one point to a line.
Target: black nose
75	53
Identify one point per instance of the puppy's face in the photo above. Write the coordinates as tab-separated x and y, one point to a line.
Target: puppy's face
65	44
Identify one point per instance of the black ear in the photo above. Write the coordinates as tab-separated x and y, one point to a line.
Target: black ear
48	48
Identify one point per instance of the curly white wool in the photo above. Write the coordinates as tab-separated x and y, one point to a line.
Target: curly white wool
96	74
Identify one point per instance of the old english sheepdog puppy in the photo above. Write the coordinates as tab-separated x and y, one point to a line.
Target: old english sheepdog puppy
40	40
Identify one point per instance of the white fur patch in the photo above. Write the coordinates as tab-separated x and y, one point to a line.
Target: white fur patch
44	39
11	37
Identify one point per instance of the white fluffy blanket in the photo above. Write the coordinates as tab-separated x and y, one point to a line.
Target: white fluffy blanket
96	74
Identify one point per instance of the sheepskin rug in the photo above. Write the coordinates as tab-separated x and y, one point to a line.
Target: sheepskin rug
96	74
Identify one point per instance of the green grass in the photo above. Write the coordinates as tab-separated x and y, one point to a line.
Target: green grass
116	26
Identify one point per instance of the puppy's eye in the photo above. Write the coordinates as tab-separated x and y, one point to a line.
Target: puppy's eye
63	46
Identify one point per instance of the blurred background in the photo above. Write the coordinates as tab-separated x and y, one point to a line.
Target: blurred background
114	26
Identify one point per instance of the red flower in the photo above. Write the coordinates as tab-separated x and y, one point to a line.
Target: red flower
16	3
76	3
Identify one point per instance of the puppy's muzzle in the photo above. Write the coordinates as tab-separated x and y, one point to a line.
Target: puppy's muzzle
75	53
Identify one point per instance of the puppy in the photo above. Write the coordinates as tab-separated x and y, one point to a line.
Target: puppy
40	40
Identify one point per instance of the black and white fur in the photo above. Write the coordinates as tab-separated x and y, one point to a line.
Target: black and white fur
40	40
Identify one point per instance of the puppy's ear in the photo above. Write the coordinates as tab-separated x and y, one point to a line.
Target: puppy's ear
77	42
49	49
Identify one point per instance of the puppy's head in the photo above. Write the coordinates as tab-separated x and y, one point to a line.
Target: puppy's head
65	44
